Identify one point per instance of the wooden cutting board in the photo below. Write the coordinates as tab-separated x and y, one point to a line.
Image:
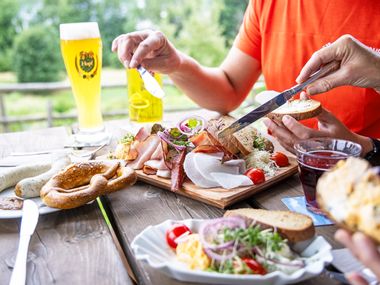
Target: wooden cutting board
220	197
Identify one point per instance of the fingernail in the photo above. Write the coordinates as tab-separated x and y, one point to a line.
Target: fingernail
303	96
126	64
298	79
133	64
266	122
286	119
359	238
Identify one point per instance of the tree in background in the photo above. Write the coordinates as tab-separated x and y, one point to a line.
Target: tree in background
204	29
231	17
36	56
111	16
8	23
192	26
201	36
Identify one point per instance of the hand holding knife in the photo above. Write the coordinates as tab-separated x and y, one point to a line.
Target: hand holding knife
277	101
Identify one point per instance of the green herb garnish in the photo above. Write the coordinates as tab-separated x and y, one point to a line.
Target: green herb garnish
192	123
175	133
254	236
128	138
180	142
259	143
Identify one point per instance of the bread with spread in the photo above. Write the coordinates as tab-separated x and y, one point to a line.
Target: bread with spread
350	195
298	109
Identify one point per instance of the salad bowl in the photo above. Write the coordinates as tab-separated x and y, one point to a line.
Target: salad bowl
150	246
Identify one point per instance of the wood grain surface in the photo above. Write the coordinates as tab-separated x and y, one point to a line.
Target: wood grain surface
133	209
142	205
68	247
220	197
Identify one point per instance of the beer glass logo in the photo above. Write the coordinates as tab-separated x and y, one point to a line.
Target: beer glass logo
86	64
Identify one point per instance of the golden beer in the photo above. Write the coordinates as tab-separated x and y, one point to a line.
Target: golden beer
81	49
143	106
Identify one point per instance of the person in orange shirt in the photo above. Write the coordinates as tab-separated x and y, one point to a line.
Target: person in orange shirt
275	39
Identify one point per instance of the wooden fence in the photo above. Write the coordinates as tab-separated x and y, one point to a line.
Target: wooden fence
50	88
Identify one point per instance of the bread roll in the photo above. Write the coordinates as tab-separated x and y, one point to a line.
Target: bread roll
350	195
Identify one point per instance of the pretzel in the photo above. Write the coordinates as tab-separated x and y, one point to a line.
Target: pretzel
81	183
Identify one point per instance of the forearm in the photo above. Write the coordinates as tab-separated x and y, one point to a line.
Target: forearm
209	87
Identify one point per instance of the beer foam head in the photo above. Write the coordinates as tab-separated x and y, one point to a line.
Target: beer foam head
79	31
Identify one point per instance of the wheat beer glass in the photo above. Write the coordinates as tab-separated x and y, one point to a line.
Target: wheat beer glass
81	48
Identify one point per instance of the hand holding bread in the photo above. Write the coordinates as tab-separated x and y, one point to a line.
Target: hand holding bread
329	126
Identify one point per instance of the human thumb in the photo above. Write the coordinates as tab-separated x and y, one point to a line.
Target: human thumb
327	83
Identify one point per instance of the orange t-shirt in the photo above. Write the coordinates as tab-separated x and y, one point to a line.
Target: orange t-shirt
282	36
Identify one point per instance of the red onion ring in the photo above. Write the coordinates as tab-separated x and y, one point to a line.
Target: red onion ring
217	256
214	225
166	138
183	128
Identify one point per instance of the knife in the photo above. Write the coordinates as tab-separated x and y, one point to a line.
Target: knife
29	220
150	83
277	101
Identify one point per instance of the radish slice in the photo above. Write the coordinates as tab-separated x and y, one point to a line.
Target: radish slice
207	170
230	181
194	174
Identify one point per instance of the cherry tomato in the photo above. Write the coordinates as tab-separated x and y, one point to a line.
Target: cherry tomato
174	232
256	267
280	159
256	175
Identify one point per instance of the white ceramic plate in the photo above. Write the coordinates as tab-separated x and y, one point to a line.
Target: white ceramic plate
13	214
150	246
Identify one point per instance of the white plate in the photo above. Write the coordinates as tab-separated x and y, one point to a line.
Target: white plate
150	246
13	214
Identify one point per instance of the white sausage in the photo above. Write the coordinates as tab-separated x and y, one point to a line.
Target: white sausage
9	177
31	187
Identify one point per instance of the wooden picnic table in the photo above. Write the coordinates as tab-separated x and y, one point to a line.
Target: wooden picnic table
78	247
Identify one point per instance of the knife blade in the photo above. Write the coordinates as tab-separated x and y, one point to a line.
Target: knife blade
30	214
150	83
276	102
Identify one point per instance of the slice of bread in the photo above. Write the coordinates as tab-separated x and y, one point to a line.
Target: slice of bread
350	195
215	126
292	226
244	140
239	142
298	109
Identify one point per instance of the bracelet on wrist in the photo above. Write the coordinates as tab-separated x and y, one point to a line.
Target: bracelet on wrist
374	155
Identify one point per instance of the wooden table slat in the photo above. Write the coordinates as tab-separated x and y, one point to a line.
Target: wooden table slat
68	247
